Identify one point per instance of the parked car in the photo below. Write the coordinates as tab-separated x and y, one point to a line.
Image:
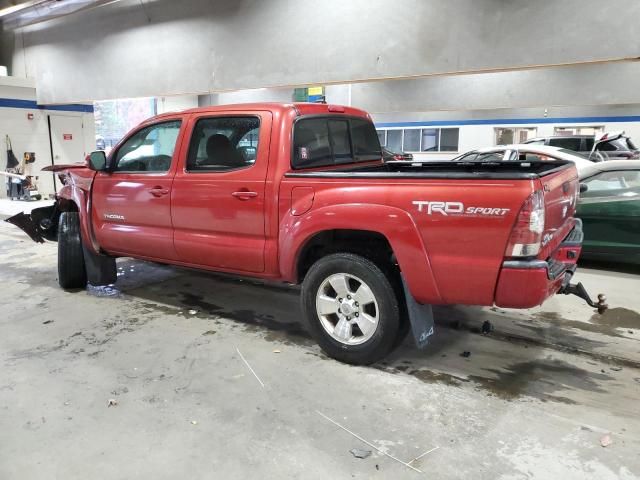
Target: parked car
609	207
610	146
373	244
389	156
523	153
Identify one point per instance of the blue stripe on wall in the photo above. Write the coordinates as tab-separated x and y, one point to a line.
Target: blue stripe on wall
511	121
32	104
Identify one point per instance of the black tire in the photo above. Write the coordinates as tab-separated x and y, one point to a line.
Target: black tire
71	269
385	336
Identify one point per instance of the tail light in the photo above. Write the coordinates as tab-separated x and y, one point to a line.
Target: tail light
526	236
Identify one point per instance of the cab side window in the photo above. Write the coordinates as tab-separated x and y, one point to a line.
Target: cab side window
150	150
219	144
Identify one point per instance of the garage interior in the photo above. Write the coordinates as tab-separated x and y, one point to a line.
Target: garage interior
174	371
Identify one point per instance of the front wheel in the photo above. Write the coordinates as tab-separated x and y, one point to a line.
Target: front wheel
71	268
351	308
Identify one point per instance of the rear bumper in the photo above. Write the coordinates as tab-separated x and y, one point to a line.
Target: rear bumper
528	283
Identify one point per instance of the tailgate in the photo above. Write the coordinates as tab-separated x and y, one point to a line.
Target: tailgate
561	188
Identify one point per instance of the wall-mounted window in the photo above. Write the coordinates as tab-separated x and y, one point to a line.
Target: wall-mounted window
420	139
509	136
579	130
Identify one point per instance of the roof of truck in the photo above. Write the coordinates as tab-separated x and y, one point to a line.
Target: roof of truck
302	108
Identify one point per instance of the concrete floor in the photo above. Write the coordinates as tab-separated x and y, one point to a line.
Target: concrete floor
533	400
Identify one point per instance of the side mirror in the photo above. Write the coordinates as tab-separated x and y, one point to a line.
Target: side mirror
583	187
98	161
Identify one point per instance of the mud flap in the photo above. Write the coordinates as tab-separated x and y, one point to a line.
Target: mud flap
421	317
101	269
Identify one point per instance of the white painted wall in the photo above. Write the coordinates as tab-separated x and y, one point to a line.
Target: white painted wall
480	136
33	135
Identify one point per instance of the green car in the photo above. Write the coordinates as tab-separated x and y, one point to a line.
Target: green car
609	207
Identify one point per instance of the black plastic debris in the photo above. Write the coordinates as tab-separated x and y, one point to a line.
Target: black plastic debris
465	354
487	327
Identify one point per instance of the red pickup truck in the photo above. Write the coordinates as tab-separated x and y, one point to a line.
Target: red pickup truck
299	193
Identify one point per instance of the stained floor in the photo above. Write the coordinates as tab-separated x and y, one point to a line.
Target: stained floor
170	350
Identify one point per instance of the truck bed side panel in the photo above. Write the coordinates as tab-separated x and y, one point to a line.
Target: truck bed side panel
463	252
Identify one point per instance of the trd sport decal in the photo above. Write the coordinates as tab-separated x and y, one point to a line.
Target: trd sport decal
457	208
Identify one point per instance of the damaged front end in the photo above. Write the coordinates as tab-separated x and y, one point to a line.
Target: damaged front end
41	224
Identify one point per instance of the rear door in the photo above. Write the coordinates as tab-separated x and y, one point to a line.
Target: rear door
132	203
218	199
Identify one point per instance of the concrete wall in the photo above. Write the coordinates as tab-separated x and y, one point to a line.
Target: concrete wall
337	94
176	104
32	135
248	96
606	84
162	47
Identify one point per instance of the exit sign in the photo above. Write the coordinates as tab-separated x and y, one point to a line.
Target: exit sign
67	136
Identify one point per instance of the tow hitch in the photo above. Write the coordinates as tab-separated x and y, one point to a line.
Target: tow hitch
579	290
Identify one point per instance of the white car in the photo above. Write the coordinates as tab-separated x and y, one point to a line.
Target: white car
524	152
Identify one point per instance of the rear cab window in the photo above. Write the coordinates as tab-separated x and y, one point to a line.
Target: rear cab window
322	141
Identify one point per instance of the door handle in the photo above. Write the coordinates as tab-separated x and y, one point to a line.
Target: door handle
159	191
244	195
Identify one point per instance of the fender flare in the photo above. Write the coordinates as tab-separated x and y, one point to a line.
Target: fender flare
395	224
82	202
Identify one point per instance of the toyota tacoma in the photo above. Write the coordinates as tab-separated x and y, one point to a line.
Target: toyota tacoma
299	193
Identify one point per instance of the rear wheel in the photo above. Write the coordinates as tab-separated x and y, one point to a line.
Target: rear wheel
71	268
351	308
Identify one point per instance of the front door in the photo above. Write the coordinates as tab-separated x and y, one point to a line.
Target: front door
218	197
132	202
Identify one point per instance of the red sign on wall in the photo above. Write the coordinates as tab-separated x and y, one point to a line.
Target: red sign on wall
67	136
